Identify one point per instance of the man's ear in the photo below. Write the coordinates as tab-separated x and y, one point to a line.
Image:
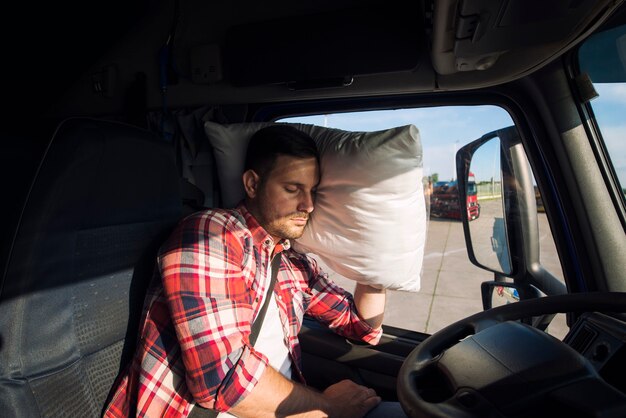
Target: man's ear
250	183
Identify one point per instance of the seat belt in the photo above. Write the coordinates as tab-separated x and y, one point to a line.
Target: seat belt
199	412
256	326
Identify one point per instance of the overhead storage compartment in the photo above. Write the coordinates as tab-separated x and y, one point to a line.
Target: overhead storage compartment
324	49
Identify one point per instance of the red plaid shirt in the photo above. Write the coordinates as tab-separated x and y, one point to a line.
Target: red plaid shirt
194	346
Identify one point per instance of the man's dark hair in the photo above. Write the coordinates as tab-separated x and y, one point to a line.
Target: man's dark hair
268	143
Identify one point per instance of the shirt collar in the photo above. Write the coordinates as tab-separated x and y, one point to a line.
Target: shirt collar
261	238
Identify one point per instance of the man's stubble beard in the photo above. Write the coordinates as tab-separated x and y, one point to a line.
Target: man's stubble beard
281	228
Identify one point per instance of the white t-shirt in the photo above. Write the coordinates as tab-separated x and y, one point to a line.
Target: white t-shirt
271	340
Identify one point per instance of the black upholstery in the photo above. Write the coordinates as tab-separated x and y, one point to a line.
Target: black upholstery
20	155
104	197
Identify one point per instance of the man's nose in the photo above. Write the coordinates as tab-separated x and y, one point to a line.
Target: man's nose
306	203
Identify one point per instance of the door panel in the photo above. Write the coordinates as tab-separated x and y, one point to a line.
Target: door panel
328	358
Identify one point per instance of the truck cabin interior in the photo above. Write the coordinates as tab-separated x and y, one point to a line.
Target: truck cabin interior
104	106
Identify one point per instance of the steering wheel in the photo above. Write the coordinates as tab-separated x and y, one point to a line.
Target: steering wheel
486	365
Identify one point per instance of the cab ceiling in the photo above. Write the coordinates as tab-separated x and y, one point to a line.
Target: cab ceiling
468	43
250	51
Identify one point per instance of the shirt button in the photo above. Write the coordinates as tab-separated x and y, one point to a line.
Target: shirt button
268	242
280	297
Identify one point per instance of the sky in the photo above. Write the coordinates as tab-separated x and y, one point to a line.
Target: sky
443	130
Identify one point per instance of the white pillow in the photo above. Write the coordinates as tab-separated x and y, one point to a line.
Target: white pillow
369	222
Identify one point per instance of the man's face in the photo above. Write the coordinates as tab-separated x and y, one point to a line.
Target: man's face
283	198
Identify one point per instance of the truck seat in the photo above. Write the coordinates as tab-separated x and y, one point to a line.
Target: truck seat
105	195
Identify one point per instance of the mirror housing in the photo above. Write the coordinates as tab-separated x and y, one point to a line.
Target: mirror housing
502	242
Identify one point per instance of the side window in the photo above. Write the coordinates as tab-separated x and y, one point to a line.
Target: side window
603	58
450	283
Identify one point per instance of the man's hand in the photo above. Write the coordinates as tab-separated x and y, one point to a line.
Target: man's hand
275	396
348	399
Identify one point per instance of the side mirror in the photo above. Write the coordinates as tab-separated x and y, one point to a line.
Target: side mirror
496	294
482	171
505	238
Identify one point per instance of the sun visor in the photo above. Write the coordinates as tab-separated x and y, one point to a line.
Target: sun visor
324	49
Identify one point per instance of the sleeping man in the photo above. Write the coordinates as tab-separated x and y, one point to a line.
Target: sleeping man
195	357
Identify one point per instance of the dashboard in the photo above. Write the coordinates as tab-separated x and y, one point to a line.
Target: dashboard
601	339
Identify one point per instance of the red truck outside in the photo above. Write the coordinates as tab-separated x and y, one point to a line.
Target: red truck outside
445	200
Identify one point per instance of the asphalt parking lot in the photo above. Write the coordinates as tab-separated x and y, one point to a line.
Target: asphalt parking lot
450	287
